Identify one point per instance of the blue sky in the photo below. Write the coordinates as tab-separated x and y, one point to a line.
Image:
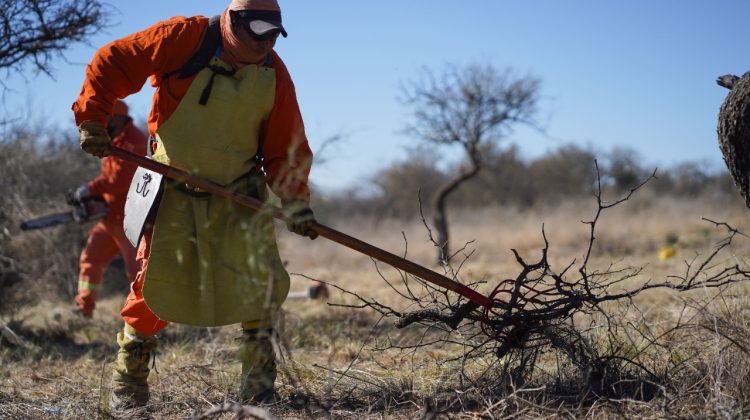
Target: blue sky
636	73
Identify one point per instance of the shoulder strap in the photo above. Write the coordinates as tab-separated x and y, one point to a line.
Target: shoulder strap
207	48
268	61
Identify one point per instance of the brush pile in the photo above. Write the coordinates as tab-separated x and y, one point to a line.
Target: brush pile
575	313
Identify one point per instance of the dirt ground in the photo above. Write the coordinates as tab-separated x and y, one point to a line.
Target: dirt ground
345	362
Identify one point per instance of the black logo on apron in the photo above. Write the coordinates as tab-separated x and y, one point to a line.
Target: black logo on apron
141	189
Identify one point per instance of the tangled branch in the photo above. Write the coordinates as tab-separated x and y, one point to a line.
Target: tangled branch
535	311
37	30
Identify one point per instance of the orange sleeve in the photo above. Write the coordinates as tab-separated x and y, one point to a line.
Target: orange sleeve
121	68
286	152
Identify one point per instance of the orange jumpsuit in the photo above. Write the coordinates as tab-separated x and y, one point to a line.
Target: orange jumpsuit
120	69
107	238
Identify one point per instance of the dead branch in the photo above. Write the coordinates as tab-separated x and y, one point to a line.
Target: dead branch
535	311
35	31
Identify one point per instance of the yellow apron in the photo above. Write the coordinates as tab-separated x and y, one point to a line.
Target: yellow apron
213	262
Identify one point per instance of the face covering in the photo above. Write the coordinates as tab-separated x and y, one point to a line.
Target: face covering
239	48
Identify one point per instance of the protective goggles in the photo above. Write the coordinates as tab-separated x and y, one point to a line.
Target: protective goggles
261	25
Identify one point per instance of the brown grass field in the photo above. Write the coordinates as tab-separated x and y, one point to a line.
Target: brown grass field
345	362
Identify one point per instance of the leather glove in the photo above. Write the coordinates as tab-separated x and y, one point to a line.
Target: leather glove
94	138
727	81
81	193
299	217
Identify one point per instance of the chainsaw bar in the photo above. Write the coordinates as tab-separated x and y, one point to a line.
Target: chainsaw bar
47	221
89	210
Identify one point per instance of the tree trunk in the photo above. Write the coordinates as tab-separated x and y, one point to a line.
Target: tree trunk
440	221
440	218
734	134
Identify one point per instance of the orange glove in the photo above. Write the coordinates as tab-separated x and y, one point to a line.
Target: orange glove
94	138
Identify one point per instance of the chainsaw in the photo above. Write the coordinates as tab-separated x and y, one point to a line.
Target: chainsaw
82	211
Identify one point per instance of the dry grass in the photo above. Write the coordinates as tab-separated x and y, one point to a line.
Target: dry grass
341	363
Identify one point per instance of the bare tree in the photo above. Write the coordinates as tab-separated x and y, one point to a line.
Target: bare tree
473	107
35	31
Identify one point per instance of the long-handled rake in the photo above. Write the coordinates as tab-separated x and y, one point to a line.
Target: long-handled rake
320	229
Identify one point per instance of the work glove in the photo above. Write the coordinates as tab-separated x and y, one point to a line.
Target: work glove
299	218
81	193
727	81
94	138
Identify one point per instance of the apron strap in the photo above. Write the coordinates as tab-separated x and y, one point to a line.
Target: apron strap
207	90
206	48
267	62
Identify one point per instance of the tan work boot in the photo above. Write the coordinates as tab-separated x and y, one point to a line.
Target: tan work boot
258	366
129	378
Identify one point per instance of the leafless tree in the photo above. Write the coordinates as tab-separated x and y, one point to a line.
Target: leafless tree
35	31
472	107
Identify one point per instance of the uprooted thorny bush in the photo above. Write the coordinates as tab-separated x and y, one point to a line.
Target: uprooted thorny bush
577	334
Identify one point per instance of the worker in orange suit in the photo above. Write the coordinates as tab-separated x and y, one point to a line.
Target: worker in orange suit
106	239
224	109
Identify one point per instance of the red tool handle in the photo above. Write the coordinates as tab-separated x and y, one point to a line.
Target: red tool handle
320	229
